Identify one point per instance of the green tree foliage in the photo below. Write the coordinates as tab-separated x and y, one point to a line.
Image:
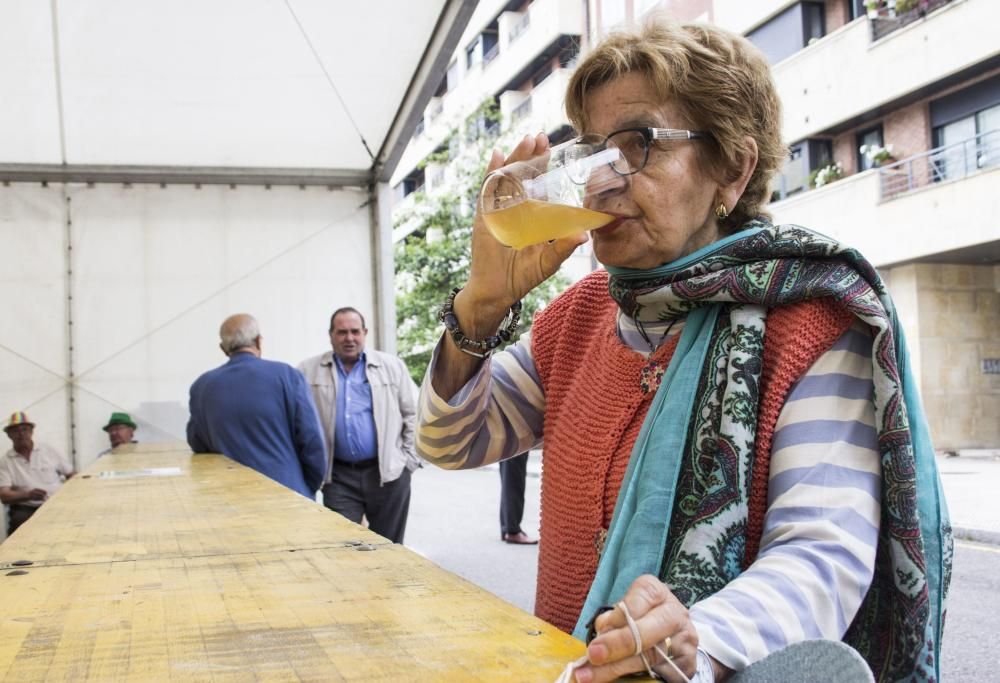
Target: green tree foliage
434	257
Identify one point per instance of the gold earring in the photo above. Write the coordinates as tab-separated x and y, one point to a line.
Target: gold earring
720	212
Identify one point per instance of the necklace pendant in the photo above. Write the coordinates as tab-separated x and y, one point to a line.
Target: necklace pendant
650	376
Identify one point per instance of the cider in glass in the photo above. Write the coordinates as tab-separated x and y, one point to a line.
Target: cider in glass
542	199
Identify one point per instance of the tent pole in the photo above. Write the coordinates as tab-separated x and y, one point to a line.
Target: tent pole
383	266
70	352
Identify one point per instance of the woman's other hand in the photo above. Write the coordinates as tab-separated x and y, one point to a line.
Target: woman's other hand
658	615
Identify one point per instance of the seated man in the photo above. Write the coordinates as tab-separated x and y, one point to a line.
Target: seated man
121	429
29	472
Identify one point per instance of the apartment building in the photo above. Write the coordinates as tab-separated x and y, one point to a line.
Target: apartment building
918	82
892	115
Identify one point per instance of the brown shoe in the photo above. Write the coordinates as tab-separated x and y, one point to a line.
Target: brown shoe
520	538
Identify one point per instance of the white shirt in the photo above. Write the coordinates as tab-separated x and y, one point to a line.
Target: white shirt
46	470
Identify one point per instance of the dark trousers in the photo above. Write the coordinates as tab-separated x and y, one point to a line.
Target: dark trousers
357	491
18	515
512	475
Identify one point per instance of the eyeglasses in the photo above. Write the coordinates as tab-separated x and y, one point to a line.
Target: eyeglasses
628	149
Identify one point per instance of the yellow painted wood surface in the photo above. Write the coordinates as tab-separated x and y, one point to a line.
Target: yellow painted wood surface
219	574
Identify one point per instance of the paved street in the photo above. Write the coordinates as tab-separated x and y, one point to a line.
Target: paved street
454	522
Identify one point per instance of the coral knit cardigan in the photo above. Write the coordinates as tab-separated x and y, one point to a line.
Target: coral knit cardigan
594	409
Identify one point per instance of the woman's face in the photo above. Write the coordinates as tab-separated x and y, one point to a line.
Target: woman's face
665	211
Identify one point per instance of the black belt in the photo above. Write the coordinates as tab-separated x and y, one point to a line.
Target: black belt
356	465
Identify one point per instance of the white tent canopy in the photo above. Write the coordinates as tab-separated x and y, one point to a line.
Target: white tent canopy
165	164
216	83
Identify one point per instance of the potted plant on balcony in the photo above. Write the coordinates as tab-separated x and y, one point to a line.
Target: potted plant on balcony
888	8
877	154
826	175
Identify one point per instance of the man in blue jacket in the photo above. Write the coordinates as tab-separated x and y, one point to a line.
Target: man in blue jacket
258	412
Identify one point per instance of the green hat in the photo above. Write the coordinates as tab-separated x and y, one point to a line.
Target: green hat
120	419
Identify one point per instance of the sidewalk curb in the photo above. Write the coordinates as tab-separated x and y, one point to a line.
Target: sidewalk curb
976	535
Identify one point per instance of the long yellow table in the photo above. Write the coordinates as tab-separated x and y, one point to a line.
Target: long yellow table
156	565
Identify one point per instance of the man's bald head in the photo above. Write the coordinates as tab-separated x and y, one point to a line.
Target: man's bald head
240	333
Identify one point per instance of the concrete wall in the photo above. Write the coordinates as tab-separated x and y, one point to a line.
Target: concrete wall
954	326
945	216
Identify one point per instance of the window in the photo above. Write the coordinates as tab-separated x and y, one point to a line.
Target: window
971	143
491	43
790	31
855	9
803	158
410	184
870	136
813	21
474	53
452	77
967	124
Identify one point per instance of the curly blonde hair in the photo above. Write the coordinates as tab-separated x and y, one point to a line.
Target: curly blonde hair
719	81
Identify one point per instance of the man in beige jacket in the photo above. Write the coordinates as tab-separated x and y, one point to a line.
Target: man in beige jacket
367	406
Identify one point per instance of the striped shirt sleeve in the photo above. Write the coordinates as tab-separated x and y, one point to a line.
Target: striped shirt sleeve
496	415
817	554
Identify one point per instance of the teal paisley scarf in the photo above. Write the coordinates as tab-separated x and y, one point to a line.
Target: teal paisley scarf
682	510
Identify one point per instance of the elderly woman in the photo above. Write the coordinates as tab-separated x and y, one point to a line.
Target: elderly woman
734	458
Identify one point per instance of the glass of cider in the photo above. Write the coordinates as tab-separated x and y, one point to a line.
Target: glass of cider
545	198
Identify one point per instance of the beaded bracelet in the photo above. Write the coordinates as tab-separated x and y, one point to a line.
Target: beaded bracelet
479	348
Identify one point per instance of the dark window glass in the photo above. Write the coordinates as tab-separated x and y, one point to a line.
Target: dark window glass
820	154
813	21
472	53
790	31
868	138
969	144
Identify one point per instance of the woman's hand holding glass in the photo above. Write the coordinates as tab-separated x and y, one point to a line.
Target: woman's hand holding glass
499	275
551	195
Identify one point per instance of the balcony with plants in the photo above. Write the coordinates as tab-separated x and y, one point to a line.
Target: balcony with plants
942	164
887	16
946	195
845	74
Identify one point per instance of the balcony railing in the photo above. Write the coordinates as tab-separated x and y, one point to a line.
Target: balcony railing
520	27
950	162
521	111
884	24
